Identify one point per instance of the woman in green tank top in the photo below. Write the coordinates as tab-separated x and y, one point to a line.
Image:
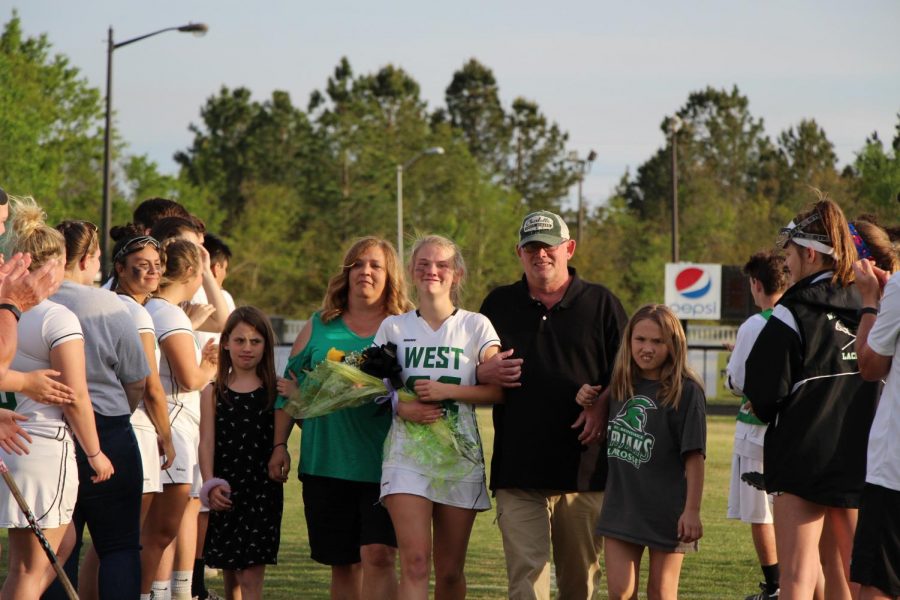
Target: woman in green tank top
340	453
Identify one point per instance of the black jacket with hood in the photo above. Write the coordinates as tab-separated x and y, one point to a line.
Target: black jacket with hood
805	383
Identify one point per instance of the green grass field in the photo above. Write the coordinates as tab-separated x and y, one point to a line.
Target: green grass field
725	567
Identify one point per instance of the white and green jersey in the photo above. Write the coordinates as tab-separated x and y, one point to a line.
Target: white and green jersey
736	373
449	354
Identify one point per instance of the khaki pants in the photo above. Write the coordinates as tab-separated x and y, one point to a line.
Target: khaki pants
532	521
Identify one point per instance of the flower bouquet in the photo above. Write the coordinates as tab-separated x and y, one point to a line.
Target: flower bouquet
345	380
349	380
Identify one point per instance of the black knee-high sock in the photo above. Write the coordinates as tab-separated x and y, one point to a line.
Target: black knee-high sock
772	575
198	583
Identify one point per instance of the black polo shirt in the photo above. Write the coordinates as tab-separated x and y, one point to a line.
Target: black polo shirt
573	343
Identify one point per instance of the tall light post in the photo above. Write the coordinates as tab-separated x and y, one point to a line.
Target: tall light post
584	166
675	124
400	168
111	45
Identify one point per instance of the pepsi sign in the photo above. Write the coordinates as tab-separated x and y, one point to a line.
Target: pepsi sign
694	291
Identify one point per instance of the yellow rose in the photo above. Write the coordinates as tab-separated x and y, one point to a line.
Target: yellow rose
335	355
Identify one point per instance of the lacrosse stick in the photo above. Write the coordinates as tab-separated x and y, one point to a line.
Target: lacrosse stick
32	524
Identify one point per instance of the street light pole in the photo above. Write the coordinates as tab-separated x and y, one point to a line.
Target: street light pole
106	213
674	127
584	166
106	216
436	150
400	212
579	226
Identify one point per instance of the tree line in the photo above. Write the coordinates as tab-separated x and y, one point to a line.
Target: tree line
288	186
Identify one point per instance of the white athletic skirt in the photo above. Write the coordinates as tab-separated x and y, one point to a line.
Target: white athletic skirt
186	439
48	480
463	494
150	459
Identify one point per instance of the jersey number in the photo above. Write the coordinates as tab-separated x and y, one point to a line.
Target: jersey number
8	401
448	405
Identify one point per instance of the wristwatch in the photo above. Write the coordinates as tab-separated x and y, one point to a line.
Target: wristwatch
13	309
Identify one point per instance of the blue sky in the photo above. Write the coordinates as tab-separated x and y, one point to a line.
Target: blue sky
608	73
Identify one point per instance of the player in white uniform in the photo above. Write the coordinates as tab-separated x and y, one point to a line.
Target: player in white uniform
184	370
448	355
767	282
438	347
49	337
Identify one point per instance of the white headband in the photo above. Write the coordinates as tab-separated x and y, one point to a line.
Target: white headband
794	233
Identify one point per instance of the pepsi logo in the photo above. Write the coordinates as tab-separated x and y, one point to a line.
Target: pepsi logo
692	282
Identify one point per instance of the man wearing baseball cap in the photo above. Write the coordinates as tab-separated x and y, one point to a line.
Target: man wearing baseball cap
558	333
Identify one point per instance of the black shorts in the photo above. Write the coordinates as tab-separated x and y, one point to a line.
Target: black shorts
342	516
876	547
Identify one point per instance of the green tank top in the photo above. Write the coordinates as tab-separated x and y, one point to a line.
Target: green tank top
346	444
744	415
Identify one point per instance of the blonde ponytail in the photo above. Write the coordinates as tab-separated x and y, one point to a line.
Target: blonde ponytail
30	233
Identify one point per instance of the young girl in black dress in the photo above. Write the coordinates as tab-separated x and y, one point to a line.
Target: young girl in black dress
236	433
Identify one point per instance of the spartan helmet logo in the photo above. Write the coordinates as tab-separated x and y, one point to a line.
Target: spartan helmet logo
634	413
627	440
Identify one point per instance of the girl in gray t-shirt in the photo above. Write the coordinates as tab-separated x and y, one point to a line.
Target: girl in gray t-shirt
656	447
